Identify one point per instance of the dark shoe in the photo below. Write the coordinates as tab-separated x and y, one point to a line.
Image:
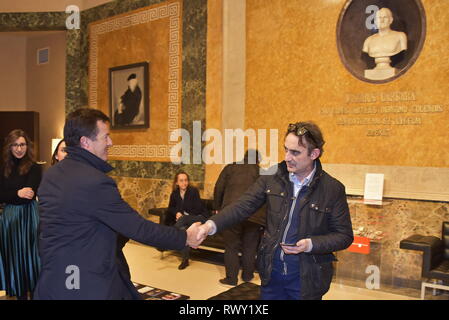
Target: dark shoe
183	264
228	282
247	279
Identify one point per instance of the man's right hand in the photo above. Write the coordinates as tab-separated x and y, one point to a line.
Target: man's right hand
192	235
203	232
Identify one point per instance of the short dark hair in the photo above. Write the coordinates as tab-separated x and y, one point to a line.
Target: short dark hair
311	133
82	123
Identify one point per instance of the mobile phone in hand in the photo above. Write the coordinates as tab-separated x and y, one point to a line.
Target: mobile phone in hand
288	244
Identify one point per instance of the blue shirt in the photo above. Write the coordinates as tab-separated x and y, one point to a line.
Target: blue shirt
290	232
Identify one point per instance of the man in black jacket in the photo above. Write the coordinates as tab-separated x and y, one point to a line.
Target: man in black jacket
243	237
81	215
307	219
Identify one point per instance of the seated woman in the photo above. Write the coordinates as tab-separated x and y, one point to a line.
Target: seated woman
184	209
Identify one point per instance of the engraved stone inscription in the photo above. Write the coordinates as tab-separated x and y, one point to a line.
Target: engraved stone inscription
386	109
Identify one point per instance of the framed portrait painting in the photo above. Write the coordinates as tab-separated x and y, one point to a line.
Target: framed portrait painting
129	105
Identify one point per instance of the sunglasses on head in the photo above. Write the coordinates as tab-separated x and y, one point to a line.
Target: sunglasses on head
300	131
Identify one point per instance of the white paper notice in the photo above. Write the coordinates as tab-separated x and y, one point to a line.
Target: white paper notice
374	186
145	289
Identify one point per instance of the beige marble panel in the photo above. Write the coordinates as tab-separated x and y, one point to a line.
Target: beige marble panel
294	72
423	183
234	78
116	41
214	83
396	220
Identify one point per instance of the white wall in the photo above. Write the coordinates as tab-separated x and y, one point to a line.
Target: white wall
26	86
12	72
46	87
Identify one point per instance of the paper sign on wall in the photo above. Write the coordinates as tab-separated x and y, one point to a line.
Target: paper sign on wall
374	186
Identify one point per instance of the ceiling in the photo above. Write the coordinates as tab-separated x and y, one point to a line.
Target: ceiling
47	5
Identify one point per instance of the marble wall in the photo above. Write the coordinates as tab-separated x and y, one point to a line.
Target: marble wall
294	67
387	225
295	73
194	40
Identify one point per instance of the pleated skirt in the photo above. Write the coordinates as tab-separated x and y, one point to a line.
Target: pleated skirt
19	258
2	269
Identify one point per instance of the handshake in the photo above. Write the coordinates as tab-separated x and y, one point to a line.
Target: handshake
196	234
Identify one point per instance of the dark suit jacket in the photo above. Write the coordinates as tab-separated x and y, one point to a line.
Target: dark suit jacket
81	213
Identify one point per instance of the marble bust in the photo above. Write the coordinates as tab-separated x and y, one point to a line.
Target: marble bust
382	45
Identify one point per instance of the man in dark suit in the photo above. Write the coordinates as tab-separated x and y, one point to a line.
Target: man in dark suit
81	215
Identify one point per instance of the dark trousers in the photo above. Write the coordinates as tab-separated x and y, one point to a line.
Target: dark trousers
243	238
184	223
282	287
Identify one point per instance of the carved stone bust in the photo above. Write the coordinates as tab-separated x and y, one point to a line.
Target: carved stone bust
382	45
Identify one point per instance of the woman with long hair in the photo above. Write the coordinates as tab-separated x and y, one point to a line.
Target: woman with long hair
184	209
59	153
19	179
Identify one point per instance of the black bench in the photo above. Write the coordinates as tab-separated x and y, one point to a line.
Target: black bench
435	263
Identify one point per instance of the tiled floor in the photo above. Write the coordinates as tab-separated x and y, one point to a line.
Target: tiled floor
200	279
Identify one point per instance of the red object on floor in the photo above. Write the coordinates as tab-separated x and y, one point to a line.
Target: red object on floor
360	245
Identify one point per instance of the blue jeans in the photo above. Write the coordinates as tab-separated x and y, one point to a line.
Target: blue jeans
282	287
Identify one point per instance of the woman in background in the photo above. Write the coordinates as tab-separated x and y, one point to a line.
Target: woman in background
19	179
59	153
185	208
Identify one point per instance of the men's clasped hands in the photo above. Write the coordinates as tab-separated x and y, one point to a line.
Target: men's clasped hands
198	232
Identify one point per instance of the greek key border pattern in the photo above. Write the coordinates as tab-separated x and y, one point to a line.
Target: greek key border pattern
140	151
171	11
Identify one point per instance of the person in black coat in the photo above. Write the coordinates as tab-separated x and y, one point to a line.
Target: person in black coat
244	237
307	219
82	213
184	209
130	103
